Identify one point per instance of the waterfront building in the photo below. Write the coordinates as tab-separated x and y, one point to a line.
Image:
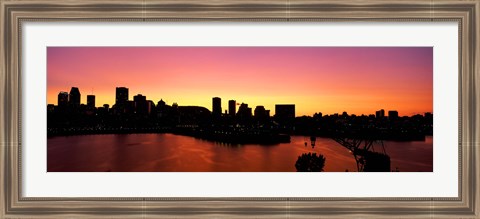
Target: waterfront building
50	108
216	106
141	106
284	111
121	95
285	114
392	114
244	111
150	107
91	101
261	113
62	99
74	97
380	114
232	107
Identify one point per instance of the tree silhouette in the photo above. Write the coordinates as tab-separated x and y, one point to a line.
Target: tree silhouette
310	163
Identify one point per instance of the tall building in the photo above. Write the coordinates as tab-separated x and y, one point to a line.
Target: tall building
244	111
74	97
285	111
260	112
127	108
91	101
50	108
63	99
141	106
232	107
380	114
392	114
150	107
161	103
216	106
121	95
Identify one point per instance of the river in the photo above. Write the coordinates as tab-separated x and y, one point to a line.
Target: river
176	153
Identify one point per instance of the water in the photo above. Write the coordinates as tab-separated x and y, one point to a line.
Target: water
175	153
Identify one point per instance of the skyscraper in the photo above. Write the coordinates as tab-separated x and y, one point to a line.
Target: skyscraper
91	101
141	106
121	95
74	97
260	112
244	111
232	107
63	99
285	111
285	114
216	106
380	114
392	114
150	106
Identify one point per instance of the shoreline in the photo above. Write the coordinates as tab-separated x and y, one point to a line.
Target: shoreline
206	136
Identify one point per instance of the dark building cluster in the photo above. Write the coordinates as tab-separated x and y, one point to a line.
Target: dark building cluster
376	126
139	114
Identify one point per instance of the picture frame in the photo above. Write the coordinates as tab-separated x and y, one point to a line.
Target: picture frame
14	13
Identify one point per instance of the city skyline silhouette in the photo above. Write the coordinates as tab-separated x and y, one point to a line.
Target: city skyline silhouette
358	80
90	100
361	135
209	105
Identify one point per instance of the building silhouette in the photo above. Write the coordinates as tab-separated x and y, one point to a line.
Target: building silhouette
62	99
380	114
161	103
50	108
121	95
141	115
232	107
150	107
260	112
122	104
193	115
285	113
141	106
428	116
74	97
244	111
128	107
91	101
216	106
392	114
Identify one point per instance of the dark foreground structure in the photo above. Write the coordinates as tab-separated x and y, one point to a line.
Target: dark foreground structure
359	134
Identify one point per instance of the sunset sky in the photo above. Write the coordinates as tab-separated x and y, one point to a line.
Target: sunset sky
358	80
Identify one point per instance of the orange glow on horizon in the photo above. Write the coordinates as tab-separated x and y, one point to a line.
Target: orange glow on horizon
358	80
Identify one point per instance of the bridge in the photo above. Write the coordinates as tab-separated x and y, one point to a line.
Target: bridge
363	145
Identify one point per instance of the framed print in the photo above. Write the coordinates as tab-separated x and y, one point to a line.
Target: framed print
239	109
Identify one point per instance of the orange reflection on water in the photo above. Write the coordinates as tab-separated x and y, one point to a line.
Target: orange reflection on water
175	153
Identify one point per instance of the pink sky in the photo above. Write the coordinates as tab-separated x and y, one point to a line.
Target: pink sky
358	80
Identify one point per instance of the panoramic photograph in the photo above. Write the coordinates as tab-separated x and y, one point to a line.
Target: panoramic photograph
239	109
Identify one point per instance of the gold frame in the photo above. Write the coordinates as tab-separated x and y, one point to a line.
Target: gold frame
14	12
